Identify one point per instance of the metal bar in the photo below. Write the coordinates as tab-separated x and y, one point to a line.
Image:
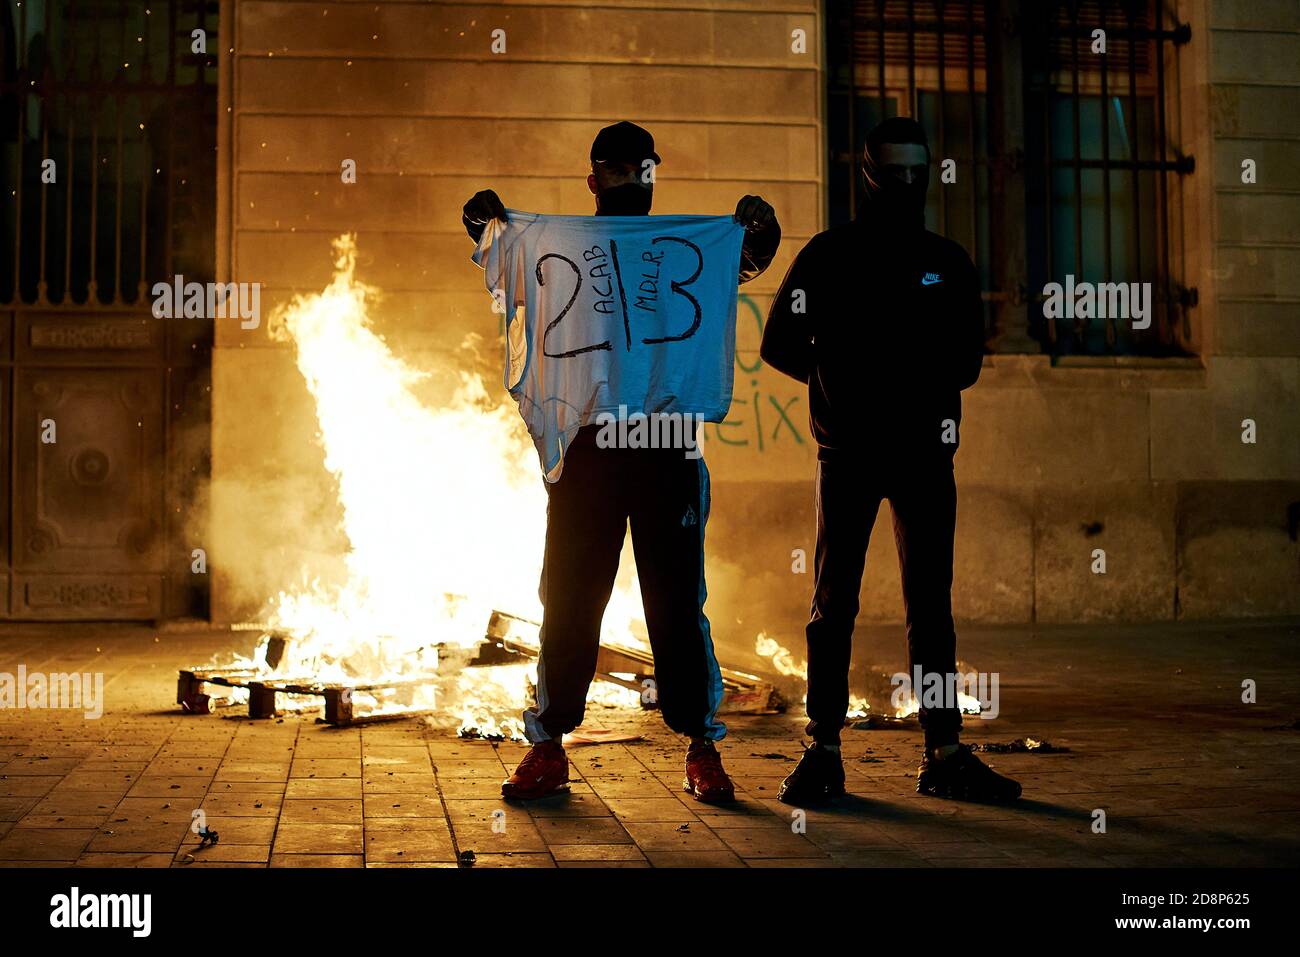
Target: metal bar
146	73
1170	166
169	183
92	286
146	55
227	141
1166	332
121	160
144	205
1079	323
70	102
77	86
19	137
1009	76
943	112
1049	89
970	117
95	81
1133	32
46	99
117	204
1131	11
911	59
1105	167
1178	35
880	59
42	253
67	202
96	99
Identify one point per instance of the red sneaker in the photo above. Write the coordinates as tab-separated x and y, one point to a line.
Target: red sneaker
705	780
544	770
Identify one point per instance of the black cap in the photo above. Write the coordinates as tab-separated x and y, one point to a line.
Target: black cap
623	143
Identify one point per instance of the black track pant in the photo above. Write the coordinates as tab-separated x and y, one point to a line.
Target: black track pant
923	500
665	495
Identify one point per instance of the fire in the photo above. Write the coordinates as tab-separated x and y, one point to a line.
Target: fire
782	658
444	511
783	661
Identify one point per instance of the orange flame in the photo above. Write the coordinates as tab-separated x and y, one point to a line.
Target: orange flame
444	511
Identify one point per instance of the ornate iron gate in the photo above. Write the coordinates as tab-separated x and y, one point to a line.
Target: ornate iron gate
107	166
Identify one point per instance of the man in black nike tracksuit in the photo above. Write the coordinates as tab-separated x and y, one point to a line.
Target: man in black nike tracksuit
663	495
882	319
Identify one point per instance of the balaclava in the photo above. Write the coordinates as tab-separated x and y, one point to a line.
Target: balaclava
628	199
888	203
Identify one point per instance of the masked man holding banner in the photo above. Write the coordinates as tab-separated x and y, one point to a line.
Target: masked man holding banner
882	319
628	328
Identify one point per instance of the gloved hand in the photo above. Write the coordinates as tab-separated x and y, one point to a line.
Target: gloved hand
754	213
483	206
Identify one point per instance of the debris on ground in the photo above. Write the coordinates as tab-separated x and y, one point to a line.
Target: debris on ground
207	837
884	722
581	736
1021	745
466	859
474	734
771	756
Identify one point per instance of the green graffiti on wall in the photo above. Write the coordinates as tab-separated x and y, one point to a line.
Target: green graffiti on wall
760	419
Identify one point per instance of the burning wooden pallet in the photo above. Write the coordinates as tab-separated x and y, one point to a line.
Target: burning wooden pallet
742	693
509	639
262	693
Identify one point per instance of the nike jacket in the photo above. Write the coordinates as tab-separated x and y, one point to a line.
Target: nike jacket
886	328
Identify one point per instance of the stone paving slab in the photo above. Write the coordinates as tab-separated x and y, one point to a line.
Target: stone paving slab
1157	738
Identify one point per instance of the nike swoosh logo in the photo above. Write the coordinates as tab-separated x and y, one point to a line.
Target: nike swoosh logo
930	282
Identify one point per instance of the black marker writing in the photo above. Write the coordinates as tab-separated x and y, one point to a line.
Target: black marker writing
680	289
577	275
622	296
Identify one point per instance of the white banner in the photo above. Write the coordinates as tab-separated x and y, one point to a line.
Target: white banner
637	312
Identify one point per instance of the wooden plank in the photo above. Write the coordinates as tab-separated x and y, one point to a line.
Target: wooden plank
743	692
507	638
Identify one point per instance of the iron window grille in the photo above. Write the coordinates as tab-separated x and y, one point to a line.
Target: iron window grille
1063	156
110	92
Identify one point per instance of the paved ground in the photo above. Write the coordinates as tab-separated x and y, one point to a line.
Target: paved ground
1158	736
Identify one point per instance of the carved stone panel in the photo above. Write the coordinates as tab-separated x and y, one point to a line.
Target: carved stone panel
88	450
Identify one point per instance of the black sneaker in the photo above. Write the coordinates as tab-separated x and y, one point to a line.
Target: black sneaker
964	777
818	778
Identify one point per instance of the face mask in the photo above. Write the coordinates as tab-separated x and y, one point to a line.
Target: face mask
630	199
886	201
890	201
